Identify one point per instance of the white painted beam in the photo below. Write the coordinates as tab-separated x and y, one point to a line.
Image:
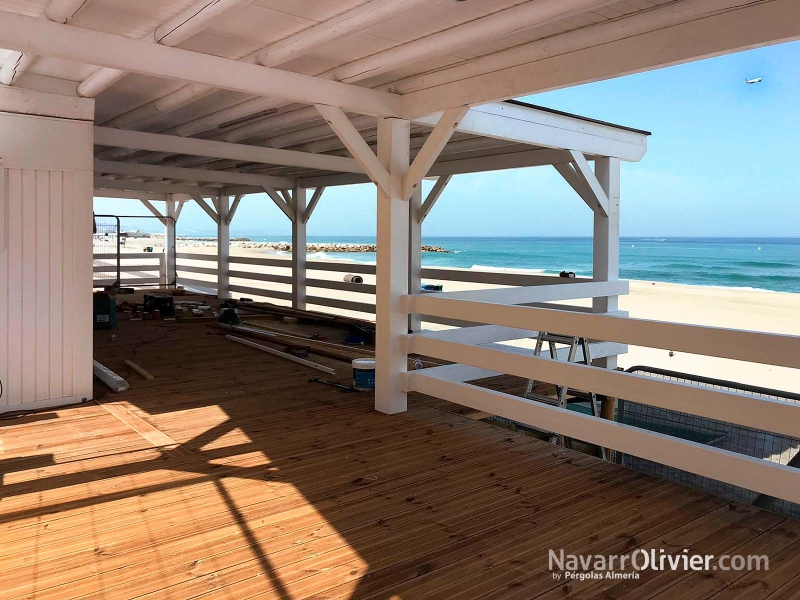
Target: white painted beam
516	160
279	201
315	198
392	268
414	251
605	241
101	183
139	140
675	33
567	171
170	240
554	292
432	197
100	193
234	206
294	46
526	125
181	27
206	208
299	272
222	204
127	168
17	63
438	138
599	200
356	145
32	35
153	210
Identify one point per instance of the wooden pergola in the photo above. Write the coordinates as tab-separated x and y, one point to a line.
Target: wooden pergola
178	100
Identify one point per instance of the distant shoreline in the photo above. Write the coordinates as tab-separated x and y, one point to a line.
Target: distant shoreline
744	263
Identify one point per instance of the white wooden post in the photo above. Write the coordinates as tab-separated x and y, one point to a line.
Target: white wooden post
223	246
299	249
169	275
392	268
606	241
415	254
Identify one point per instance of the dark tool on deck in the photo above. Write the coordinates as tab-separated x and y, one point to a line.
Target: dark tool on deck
345	388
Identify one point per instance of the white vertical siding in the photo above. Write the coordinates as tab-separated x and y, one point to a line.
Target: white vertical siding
46	252
45	304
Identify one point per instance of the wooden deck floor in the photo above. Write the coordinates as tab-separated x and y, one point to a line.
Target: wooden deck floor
230	476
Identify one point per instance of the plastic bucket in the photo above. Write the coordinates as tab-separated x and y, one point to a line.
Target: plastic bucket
364	374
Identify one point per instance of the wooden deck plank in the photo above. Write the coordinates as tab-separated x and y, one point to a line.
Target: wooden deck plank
229	475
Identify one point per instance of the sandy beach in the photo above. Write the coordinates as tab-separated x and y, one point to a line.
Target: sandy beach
735	308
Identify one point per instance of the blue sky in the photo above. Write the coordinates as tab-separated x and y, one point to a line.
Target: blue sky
722	161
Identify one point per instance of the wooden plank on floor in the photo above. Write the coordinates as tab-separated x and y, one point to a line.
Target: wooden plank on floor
155	436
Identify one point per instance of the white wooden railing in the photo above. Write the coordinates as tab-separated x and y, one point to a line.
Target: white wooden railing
199	271
136	268
476	354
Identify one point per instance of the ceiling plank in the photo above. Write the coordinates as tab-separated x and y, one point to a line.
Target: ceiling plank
678	33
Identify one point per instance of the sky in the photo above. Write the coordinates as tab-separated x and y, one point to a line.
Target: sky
722	161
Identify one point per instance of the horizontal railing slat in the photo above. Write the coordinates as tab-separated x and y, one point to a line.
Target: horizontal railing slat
343	304
125	268
496	277
193	269
750	346
192	256
267	293
540	293
267	262
197	283
322	265
761	413
128	255
361	288
285	279
751	473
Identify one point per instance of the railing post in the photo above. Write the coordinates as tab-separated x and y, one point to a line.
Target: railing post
168	264
299	249
415	254
223	247
392	268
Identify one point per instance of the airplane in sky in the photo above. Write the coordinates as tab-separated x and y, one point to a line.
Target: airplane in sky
751	81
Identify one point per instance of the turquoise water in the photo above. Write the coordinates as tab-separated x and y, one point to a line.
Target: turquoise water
760	263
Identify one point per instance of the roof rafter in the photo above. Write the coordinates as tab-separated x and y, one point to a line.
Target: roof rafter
39	36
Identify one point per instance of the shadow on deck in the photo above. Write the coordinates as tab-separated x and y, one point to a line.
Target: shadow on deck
231	476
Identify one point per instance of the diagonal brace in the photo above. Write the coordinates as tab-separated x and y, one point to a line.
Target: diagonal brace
431	149
154	210
313	203
432	197
281	203
357	146
599	200
232	210
208	210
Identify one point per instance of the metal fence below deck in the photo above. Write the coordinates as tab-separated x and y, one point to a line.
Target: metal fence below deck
771	447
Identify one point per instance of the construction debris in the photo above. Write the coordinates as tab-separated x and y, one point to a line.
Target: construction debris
145	374
114	382
285	355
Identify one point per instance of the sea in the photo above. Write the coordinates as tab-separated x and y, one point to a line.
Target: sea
753	263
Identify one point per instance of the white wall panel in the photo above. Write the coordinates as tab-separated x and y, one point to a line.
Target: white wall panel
45	262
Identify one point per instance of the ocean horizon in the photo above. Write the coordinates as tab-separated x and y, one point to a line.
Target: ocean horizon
771	264
757	263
